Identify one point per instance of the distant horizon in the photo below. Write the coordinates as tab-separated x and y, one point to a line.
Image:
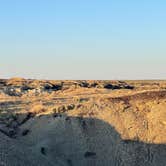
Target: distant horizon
83	40
8	78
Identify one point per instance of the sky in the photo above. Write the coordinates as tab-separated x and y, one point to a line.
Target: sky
83	39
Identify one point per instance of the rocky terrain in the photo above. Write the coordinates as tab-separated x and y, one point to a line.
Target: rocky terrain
85	123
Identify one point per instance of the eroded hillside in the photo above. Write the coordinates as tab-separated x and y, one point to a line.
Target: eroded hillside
72	123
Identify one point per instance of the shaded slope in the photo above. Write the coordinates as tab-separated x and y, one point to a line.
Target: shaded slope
76	141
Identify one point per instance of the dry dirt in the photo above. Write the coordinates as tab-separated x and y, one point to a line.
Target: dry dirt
82	123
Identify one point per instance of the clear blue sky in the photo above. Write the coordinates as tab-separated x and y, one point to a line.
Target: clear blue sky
83	39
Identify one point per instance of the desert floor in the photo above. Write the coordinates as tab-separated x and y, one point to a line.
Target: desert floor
82	123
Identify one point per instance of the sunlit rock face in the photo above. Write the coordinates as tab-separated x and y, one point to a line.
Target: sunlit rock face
71	123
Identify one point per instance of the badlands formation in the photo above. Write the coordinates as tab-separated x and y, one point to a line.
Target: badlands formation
82	123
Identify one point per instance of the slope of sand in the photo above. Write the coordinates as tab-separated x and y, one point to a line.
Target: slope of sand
71	123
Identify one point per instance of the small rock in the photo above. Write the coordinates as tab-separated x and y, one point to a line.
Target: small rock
61	109
71	107
25	132
89	154
43	151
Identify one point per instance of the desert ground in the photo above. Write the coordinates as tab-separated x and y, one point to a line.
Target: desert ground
82	123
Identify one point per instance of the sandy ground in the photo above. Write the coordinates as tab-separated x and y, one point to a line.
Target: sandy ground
71	123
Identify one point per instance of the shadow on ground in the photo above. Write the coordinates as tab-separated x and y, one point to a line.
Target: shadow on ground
60	140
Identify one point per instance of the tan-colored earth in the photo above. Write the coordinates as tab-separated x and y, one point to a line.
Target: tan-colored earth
82	123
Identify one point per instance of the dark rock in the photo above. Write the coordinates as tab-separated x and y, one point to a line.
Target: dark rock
11	133
67	118
129	87
11	91
51	87
56	115
83	84
71	107
25	132
62	109
89	154
93	85
127	141
110	86
26	88
118	86
43	150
